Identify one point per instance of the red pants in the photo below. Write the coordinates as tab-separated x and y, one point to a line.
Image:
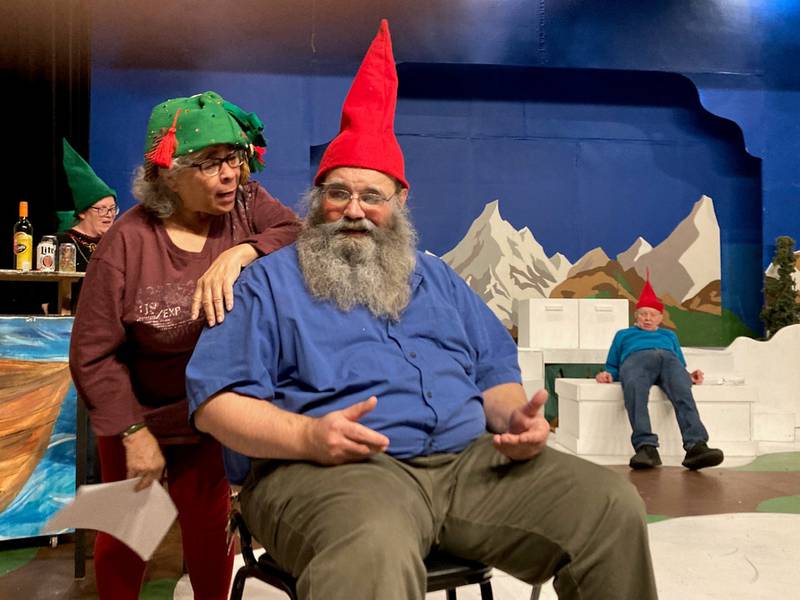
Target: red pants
197	485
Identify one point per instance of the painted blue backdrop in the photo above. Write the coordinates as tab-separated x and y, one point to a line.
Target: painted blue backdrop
605	139
583	158
52	484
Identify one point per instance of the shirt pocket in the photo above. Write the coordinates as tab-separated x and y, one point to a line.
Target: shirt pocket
434	329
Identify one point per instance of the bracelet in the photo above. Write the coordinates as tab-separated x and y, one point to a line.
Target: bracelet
133	429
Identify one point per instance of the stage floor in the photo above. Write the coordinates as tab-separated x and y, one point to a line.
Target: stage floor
720	534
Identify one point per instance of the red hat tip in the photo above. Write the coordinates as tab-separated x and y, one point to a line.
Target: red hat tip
648	298
366	137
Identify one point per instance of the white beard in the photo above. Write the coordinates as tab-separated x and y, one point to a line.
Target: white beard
372	269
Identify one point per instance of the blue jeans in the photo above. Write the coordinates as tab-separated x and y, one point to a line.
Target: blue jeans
662	368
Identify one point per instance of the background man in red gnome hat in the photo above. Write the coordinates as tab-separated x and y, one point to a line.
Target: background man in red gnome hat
645	355
353	385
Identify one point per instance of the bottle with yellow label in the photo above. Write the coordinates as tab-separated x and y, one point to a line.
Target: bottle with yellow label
23	240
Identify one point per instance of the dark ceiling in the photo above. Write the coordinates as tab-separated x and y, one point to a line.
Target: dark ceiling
306	35
330	36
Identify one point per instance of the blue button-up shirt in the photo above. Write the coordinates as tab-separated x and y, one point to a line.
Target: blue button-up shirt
309	357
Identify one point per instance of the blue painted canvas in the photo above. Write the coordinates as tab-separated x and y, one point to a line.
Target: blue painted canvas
51	484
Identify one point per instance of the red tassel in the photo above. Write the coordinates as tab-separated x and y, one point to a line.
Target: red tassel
259	150
163	152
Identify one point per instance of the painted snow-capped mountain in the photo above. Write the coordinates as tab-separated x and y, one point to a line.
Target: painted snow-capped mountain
503	264
593	259
689	259
636	250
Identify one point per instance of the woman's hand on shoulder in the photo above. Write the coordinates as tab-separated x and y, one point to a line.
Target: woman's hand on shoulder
214	290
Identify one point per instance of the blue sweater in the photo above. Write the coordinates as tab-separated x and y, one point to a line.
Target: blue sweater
630	340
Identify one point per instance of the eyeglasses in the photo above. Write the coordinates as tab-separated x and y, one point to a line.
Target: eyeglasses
342	196
211	166
105	211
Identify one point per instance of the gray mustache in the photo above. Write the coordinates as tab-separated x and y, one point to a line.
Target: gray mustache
348	225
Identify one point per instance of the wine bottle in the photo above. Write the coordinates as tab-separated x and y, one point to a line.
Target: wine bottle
23	240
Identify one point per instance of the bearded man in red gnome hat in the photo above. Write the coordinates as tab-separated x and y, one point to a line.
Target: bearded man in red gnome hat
353	385
645	355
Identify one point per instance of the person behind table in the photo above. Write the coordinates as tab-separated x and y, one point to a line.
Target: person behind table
645	355
360	375
164	263
95	208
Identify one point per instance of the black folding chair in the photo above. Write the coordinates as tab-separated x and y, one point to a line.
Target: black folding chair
445	572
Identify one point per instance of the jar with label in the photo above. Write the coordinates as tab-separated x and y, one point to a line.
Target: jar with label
46	253
66	257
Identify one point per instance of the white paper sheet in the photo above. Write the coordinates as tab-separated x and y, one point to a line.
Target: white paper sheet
138	519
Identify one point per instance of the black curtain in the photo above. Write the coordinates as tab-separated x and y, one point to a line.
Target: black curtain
44	65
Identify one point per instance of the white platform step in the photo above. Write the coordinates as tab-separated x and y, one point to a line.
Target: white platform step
531	363
570	322
727	378
592	420
531	386
709	360
576	355
774	426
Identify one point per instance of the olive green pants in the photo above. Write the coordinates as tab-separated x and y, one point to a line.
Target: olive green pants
361	530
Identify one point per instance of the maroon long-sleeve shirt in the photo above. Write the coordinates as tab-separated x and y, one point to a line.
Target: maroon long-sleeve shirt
133	333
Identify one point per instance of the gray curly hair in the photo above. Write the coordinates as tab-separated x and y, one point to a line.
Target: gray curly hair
151	184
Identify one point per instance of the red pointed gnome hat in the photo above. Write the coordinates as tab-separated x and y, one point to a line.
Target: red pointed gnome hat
648	298
366	136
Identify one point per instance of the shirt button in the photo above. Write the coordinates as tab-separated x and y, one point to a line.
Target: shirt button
412	354
429	394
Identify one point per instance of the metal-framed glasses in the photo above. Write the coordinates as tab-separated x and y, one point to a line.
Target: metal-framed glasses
211	166
342	196
105	211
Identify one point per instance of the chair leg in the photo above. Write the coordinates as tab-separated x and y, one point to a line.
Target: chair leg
486	591
535	591
451	594
238	585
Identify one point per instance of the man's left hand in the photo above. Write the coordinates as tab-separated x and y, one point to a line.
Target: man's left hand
697	377
527	430
216	284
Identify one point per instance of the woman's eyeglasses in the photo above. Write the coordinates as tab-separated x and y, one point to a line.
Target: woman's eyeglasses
105	211
212	166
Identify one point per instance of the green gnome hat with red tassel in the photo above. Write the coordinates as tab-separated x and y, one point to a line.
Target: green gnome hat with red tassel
181	126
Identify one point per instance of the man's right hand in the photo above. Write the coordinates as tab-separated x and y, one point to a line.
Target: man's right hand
338	438
143	458
604	377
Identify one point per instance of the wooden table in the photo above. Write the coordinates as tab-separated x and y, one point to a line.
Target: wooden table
64	279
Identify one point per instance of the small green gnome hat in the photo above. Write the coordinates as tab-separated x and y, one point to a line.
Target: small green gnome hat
66	220
180	126
87	188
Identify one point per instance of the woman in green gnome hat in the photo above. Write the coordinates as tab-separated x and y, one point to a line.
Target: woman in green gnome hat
95	208
164	269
